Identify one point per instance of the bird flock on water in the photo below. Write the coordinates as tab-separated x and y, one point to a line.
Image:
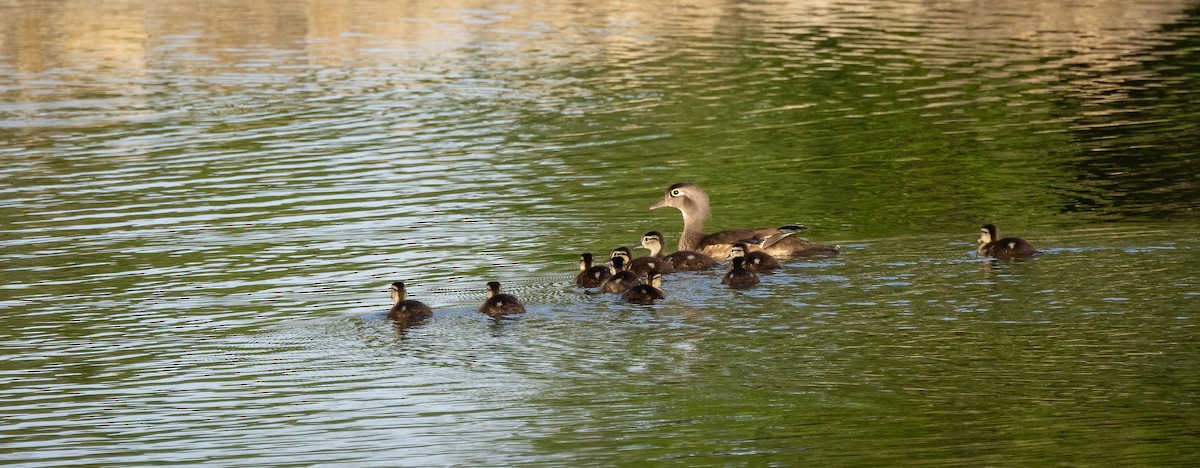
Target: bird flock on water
750	252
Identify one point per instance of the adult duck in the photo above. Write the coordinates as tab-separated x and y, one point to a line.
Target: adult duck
692	202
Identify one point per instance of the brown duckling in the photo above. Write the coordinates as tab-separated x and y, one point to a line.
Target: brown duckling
590	275
622	279
646	293
498	304
756	261
403	309
1005	249
683	260
739	277
692	202
653	262
622	252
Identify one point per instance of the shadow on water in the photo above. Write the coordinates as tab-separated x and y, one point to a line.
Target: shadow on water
1121	170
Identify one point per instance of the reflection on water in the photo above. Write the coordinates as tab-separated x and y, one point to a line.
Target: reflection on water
204	204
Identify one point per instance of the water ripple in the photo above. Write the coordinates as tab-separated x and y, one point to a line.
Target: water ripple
203	209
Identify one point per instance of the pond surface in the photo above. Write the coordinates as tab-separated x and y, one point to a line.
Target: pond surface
204	203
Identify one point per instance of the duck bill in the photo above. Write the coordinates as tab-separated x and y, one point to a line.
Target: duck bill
660	204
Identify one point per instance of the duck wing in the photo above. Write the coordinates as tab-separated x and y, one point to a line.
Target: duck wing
752	236
796	246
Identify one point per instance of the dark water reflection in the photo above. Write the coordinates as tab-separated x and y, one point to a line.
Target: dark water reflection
204	203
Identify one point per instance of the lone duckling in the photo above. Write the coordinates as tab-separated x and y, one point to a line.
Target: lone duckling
498	304
590	275
646	293
683	260
622	279
756	261
692	202
404	309
1005	249
739	277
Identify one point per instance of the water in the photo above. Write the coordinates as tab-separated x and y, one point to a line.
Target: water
204	204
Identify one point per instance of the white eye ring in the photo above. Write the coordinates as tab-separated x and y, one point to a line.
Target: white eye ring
675	193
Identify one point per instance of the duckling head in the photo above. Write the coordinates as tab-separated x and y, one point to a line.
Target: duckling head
738	250
623	252
586	262
987	233
655	279
398	292
652	241
618	264
493	288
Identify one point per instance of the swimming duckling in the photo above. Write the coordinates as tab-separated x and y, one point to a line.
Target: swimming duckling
683	260
692	202
739	277
1005	249
756	261
403	309
498	304
653	262
646	293
590	275
639	266
622	252
622	279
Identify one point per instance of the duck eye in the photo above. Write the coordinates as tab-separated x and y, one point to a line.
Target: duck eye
676	193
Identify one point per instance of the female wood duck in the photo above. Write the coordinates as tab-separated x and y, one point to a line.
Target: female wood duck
590	275
1005	249
622	279
403	309
756	261
739	277
646	293
683	260
692	202
498	304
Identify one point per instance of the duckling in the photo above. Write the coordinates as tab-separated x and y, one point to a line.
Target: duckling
757	261
639	266
739	277
692	202
622	252
1005	249
622	279
498	304
654	262
403	309
590	275
646	293
683	260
